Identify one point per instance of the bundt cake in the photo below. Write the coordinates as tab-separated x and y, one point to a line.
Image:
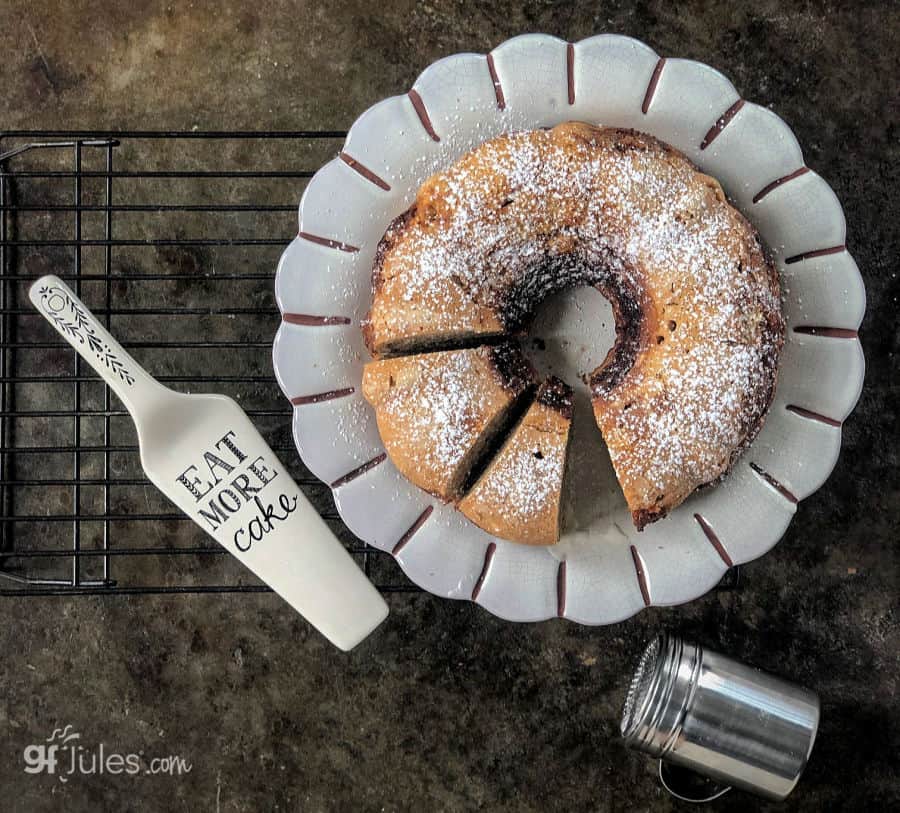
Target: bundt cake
518	495
696	302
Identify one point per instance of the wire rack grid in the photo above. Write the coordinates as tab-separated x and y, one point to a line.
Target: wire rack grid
171	238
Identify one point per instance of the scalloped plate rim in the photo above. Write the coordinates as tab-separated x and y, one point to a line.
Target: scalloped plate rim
762	548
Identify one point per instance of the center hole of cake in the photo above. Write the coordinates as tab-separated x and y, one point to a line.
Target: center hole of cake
570	334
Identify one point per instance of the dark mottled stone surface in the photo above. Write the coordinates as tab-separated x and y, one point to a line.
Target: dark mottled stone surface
448	708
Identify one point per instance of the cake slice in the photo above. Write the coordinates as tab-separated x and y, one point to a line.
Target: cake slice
439	413
423	311
518	495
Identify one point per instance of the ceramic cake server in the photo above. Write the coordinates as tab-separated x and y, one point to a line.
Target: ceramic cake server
206	456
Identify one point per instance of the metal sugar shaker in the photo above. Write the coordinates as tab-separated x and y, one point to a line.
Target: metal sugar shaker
704	711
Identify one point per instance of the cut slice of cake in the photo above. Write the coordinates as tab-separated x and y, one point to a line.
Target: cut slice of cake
439	413
518	496
426	314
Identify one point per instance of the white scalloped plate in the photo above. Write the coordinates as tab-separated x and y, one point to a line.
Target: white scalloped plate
603	570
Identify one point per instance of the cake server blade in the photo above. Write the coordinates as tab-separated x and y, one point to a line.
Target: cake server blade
204	454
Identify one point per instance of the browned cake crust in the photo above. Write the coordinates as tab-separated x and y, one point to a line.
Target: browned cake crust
696	300
519	494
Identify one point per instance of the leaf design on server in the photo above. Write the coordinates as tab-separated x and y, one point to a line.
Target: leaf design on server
73	321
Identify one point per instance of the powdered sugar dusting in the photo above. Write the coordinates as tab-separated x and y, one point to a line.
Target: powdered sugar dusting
351	418
531	213
525	479
445	407
439	407
688	422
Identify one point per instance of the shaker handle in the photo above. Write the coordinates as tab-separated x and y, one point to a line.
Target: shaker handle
717	794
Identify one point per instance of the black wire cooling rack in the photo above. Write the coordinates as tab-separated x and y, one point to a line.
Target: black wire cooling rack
172	239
